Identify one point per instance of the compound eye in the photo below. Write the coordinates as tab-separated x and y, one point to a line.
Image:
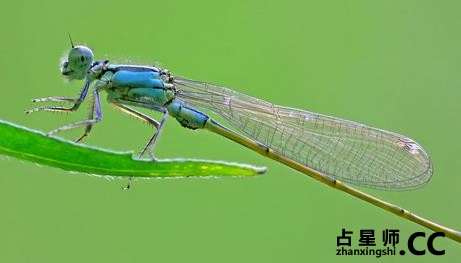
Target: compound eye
82	58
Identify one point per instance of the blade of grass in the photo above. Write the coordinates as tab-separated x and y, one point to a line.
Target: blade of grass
35	146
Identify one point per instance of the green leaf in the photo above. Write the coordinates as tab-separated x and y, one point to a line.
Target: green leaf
35	146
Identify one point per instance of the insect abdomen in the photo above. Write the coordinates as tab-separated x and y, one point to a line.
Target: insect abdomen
186	116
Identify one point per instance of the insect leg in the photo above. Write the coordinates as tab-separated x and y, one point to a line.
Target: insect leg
135	113
96	108
151	143
139	116
55	99
76	105
88	126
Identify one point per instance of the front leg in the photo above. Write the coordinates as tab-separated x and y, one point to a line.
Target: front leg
55	99
77	102
100	84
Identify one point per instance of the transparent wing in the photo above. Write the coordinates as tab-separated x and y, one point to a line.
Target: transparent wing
342	149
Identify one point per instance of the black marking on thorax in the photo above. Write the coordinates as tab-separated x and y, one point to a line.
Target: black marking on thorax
131	68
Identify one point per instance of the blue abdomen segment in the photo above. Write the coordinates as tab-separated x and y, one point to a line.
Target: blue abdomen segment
144	79
187	116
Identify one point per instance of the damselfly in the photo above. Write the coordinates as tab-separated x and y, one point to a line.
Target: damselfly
325	148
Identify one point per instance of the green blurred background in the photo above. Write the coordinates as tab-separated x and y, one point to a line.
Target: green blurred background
390	64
